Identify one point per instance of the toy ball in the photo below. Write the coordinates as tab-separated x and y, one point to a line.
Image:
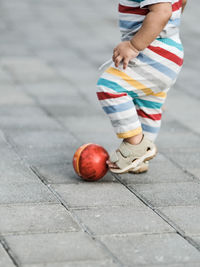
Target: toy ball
89	162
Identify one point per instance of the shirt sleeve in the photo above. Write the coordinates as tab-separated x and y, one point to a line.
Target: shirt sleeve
144	3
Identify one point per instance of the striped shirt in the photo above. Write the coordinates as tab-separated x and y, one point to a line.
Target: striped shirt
132	14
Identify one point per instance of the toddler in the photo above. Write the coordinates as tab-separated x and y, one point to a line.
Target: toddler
145	66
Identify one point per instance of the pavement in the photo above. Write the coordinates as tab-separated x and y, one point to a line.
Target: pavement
50	52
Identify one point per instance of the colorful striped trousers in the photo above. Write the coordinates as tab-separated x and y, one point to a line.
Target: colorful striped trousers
133	98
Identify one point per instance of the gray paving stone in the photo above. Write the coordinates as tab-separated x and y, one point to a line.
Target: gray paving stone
38	218
5	77
5	260
170	194
31	118
69	110
44	41
83	81
110	142
13	94
43	139
77	264
103	126
44	146
151	249
62	57
59	73
63	173
88	194
53	89
187	117
189	72
52	248
53	156
11	124
16	173
191	264
188	159
195	172
122	220
12	169
28	69
100	133
59	92
13	49
25	193
196	239
172	132
161	170
186	218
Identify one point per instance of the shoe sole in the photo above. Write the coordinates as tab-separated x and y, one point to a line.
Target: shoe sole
148	156
139	169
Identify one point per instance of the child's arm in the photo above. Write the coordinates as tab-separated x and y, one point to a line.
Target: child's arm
155	21
184	2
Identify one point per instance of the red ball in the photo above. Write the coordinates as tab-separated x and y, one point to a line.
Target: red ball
89	162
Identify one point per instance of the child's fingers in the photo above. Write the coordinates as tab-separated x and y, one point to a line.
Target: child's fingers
125	62
115	54
118	60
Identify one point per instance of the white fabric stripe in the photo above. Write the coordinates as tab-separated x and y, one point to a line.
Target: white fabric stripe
149	110
148	83
150	122
176	14
131	17
176	38
169	48
155	72
164	61
123	129
116	117
129	116
136	76
117	80
153	99
128	87
123	114
150	136
129	3
130	72
124	99
159	85
115	101
149	2
128	31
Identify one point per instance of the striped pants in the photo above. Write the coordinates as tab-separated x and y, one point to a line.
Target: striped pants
133	98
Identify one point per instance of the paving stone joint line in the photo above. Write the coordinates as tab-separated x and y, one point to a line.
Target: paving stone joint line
9	252
79	222
169	222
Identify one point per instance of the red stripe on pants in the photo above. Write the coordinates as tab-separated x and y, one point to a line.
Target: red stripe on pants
104	95
166	54
132	10
176	6
154	117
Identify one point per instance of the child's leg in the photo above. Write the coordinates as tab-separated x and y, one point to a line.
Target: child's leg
129	102
119	107
149	109
118	103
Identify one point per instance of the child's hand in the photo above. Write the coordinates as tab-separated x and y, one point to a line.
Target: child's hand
125	51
